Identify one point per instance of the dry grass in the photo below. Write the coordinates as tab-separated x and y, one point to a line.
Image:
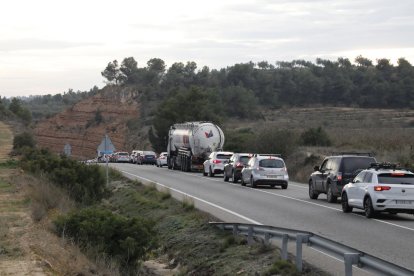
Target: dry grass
6	141
385	132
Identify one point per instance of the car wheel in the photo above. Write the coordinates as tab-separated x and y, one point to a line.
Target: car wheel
226	178
210	173
369	209
312	193
345	206
331	198
242	181
252	183
204	173
234	178
284	187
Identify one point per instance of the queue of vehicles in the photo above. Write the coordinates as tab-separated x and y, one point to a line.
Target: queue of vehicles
357	178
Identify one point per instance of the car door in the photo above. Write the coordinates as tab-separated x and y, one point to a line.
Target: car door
247	171
229	166
318	176
356	191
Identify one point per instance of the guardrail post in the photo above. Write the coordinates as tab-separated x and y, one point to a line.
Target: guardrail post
235	230
300	238
250	235
267	238
285	239
349	260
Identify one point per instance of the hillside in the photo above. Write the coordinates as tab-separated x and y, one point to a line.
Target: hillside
84	124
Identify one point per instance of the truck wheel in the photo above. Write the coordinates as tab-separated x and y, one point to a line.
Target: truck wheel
331	198
312	193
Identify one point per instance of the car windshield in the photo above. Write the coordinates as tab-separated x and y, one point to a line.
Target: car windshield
394	178
223	156
244	159
123	153
271	163
352	164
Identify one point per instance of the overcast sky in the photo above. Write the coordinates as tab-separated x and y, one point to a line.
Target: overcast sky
49	46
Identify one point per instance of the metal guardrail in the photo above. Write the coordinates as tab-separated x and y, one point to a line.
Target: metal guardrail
350	255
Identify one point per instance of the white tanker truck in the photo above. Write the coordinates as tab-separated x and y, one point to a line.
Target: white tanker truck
190	144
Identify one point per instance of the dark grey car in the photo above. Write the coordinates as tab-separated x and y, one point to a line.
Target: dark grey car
335	172
235	165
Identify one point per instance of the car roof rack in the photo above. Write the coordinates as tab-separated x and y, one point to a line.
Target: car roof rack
268	154
370	154
386	165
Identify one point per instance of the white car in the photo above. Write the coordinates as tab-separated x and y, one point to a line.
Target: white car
265	169
215	162
162	159
381	188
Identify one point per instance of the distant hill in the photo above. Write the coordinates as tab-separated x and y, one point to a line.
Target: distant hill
83	125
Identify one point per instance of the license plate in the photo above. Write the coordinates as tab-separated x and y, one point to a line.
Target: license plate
403	201
274	176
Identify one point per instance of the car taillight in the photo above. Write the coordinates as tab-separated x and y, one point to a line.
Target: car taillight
216	161
381	188
239	165
339	176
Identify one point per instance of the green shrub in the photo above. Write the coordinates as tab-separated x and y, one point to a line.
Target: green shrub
23	140
281	267
272	140
125	239
84	183
315	137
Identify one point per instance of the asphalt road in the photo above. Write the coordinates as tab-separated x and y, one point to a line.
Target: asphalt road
388	237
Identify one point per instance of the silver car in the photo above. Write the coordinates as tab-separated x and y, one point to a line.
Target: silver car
265	169
162	159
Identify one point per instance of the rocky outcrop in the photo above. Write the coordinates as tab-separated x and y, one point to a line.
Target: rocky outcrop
84	125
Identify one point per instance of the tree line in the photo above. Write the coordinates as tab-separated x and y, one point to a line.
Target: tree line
295	83
184	93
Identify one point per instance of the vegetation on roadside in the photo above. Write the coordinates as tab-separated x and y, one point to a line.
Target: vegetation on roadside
84	183
126	240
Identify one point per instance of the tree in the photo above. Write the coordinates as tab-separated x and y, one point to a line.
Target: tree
15	106
193	104
112	72
129	70
22	140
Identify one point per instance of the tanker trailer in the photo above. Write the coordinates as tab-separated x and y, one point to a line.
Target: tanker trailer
190	144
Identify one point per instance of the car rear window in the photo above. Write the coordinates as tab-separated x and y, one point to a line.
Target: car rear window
244	159
390	178
271	163
223	156
352	164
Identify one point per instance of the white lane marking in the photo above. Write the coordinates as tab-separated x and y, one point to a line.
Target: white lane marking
243	217
296	199
199	199
304	201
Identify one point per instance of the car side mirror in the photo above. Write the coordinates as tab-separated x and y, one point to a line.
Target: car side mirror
316	168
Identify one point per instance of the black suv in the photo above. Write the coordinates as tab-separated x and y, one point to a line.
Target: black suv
335	172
